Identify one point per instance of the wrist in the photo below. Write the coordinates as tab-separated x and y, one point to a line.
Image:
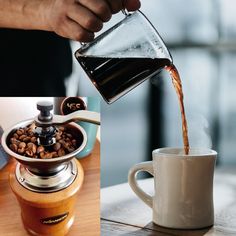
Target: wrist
34	12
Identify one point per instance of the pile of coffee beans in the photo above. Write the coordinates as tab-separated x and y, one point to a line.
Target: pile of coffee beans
24	141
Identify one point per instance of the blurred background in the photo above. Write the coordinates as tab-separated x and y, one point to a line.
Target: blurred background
201	36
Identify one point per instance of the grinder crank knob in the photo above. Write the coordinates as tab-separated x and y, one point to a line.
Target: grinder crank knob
45	107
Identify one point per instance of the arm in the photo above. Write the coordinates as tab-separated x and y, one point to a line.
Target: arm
77	20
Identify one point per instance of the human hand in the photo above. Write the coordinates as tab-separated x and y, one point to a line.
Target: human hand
79	20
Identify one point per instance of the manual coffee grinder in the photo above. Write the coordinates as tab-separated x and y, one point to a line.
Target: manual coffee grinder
46	188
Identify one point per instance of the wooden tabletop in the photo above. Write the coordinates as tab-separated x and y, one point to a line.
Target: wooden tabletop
123	213
87	219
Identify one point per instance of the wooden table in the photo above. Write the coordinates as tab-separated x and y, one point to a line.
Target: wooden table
87	220
123	213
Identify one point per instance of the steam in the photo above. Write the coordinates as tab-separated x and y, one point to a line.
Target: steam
199	131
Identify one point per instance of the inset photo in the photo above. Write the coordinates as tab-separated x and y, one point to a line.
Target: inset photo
50	166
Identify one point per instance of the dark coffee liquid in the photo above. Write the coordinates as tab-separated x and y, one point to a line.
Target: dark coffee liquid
178	88
116	76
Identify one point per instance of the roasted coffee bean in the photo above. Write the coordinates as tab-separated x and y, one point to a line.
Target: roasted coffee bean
65	145
54	154
59	132
26	139
21	150
32	147
15	135
69	136
20	132
61	141
40	149
33	140
58	137
74	142
61	152
13	147
22	145
22	137
46	155
29	153
67	139
15	141
42	154
56	146
70	149
61	128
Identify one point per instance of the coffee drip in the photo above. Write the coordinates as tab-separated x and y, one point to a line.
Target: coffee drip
176	81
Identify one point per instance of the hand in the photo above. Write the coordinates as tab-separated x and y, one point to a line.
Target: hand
79	20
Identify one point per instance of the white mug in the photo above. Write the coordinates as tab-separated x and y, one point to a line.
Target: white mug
183	196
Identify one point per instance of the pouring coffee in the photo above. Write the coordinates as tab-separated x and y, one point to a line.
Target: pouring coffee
116	64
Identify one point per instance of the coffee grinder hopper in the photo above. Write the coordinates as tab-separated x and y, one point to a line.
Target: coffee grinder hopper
45	124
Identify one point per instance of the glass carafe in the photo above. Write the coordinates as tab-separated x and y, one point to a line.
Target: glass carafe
124	56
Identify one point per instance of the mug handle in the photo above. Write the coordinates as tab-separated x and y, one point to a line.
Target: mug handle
144	166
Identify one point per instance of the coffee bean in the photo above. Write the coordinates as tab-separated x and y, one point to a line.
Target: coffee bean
54	154
32	147
26	139
22	145
20	132
15	135
42	154
58	137
40	149
29	153
33	140
61	128
61	152
71	149
22	137
14	141
21	150
13	147
74	142
56	146
69	135
45	155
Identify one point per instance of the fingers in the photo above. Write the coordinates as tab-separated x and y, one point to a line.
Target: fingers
71	29
85	18
115	5
79	19
99	7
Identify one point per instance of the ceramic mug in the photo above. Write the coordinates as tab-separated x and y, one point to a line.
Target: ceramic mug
183	186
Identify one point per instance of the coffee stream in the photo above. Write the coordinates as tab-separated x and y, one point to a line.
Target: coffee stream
178	88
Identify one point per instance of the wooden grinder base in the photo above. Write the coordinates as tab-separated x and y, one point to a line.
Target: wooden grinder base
47	214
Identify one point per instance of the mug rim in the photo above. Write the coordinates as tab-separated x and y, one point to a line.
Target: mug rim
162	152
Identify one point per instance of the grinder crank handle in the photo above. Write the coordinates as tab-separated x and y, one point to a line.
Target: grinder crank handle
82	115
